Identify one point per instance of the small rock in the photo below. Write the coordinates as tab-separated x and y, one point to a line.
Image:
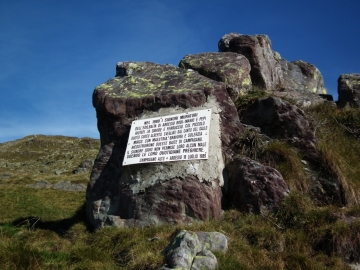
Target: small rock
84	166
153	239
193	250
213	241
68	186
4	176
40	184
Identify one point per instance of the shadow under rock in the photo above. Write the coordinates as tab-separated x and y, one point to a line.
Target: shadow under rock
58	226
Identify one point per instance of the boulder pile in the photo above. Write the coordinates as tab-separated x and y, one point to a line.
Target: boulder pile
187	191
195	190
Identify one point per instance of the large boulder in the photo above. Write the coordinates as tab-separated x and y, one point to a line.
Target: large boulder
349	90
265	68
254	187
230	68
163	192
303	83
302	76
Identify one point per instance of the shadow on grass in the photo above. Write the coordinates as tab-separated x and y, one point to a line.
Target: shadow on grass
58	226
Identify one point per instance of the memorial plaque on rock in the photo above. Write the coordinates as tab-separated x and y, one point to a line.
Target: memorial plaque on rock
183	136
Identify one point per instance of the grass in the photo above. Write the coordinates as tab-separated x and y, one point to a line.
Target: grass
250	98
19	201
288	161
60	239
339	144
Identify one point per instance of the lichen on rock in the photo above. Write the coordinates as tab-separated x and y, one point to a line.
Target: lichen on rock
170	192
230	68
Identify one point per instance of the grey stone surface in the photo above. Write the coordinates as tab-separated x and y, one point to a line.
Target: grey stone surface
302	77
213	241
41	184
69	186
62	185
193	250
205	259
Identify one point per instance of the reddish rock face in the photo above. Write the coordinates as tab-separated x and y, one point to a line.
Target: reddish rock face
278	119
349	90
178	201
281	120
230	68
254	187
175	192
297	80
265	68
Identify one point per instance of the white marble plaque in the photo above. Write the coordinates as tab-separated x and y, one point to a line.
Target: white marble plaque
183	136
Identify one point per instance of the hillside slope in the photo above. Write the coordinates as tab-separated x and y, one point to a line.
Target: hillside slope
50	158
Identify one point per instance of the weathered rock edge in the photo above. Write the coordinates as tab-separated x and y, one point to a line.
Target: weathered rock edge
230	68
265	68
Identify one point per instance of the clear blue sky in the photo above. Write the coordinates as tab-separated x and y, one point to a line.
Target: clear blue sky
54	53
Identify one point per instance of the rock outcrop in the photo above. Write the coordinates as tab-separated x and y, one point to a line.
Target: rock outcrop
191	190
156	193
281	120
230	68
278	119
297	80
265	68
302	76
349	90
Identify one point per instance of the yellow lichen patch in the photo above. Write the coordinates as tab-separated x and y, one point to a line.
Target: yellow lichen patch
348	83
228	65
246	82
133	65
104	86
241	72
316	74
323	91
